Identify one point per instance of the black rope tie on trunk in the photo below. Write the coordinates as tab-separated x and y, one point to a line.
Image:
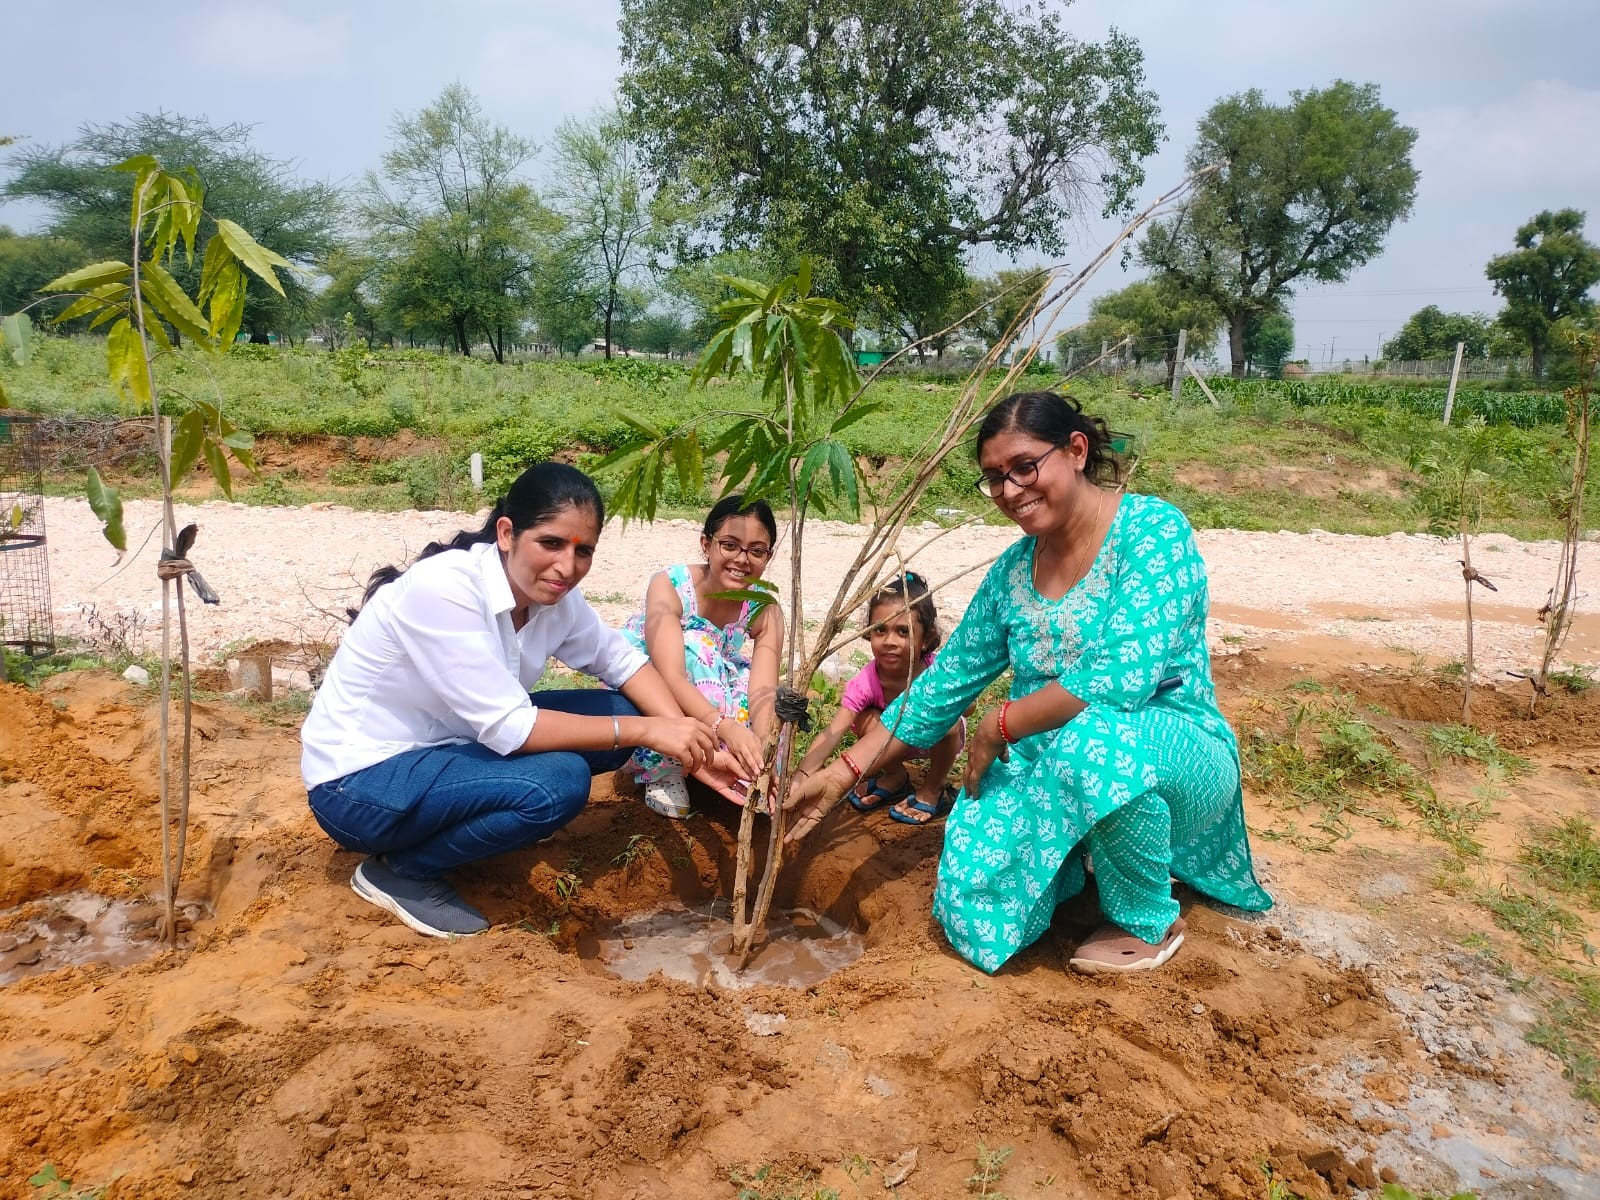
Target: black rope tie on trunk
793	707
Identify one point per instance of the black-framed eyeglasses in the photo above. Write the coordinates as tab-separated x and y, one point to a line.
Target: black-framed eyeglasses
756	554
1022	475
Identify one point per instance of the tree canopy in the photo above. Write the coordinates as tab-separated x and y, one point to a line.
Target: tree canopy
1547	277
883	138
1150	311
456	225
1432	333
88	200
1307	192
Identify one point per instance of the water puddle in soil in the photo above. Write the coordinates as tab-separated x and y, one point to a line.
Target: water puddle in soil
801	948
81	927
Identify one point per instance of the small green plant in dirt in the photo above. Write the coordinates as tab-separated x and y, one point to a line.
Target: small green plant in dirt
1466	743
1324	754
48	1182
1569	1028
1394	1191
988	1168
769	1182
1566	858
639	847
1579	678
1540	923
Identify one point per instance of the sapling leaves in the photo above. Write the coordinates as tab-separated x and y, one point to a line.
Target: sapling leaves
106	505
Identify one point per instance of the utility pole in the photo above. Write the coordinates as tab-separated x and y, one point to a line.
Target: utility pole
1177	367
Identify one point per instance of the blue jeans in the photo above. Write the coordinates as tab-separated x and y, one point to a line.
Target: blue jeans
430	810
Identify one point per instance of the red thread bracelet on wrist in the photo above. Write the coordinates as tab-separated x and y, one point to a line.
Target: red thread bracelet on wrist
851	763
1005	734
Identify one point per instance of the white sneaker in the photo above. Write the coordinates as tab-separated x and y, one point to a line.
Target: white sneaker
668	796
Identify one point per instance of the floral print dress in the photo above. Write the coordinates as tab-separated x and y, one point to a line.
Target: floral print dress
717	658
1148	777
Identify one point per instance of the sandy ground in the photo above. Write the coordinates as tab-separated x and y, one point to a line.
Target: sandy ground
289	573
304	1045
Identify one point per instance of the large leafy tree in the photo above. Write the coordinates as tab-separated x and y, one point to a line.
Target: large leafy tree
884	137
458	227
1307	192
1547	277
1153	313
616	222
1269	341
88	200
1431	332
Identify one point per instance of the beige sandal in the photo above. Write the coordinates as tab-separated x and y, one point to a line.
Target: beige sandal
1110	950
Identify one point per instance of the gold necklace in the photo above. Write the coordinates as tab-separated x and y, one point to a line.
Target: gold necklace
1081	566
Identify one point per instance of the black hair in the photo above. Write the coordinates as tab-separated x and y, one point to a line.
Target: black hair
734	506
910	591
1054	418
536	495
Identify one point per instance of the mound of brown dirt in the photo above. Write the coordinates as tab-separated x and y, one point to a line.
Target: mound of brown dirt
310	1046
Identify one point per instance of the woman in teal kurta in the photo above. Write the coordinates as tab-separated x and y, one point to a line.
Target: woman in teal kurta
1111	745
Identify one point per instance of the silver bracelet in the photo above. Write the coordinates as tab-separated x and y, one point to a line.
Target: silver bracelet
616	734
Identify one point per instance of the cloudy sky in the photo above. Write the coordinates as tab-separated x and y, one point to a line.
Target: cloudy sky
1505	95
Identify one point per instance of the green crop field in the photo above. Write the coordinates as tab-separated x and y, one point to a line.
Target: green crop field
1275	455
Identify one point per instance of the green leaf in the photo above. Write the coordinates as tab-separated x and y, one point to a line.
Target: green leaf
226	302
187	439
746	596
125	362
237	439
256	257
16	333
219	467
107	507
691	467
851	415
16	517
92	276
139	163
98	298
639	423
173	303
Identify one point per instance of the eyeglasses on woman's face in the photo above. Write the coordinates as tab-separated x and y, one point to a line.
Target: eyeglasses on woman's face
1023	474
733	549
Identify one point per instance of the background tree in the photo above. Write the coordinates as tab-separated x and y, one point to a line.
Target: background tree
1309	191
88	201
1152	312
1269	341
616	222
1547	277
28	262
883	138
662	331
349	296
457	226
1000	299
1432	333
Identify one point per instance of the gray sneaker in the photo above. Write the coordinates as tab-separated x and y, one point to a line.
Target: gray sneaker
429	906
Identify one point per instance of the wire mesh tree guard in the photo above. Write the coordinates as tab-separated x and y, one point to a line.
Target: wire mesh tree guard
26	624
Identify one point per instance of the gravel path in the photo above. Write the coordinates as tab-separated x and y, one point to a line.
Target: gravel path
289	572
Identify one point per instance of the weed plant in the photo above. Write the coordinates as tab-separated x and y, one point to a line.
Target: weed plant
1565	858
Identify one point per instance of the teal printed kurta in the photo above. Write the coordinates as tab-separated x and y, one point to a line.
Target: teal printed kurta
1015	851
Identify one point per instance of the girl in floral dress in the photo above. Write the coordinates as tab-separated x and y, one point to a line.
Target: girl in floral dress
718	656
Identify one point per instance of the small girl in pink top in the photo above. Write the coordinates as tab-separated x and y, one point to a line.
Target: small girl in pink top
903	631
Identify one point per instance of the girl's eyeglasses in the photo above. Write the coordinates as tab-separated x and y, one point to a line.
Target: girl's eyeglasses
1022	475
756	554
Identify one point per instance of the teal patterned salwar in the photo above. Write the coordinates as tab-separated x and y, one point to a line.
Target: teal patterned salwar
1146	783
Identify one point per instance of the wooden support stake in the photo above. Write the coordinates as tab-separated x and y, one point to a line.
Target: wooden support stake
1200	379
1455	374
1178	364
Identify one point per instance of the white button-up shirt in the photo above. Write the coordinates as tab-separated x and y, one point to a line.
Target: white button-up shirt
433	659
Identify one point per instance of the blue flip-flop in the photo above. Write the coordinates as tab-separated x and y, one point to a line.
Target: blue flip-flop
877	796
947	800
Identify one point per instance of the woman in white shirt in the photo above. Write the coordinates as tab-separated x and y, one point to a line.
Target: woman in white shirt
424	749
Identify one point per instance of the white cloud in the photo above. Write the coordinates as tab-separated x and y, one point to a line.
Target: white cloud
269	41
1539	139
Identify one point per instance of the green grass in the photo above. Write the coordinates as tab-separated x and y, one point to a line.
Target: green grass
1464	743
519	412
1565	858
1539	922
